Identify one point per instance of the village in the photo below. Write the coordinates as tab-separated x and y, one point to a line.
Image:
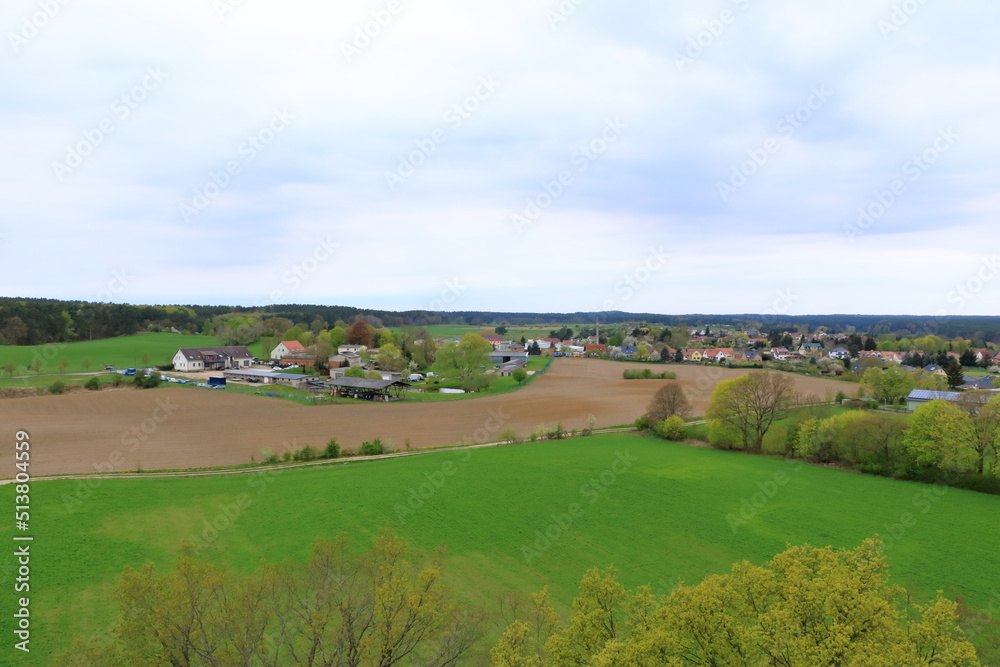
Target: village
373	373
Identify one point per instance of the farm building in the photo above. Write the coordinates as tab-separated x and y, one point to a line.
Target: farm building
352	349
365	389
918	397
499	358
269	377
286	348
212	358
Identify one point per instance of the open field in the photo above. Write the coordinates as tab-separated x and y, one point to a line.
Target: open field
122	352
659	515
175	427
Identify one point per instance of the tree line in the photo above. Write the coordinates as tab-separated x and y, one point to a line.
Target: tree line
807	606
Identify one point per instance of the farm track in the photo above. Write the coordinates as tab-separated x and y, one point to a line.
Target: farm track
173	428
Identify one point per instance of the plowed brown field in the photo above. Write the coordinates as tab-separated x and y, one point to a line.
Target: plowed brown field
187	428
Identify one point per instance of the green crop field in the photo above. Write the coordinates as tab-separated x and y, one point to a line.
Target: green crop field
516	517
122	352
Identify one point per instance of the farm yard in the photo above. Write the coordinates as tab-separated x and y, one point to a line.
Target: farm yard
663	517
172	427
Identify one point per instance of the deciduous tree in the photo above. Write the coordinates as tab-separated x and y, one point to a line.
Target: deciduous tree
669	400
941	436
751	403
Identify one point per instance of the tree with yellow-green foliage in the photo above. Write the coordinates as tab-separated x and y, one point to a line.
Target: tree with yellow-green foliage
373	610
807	608
750	404
941	436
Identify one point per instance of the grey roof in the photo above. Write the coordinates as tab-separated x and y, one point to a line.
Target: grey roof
363	383
931	395
234	351
254	372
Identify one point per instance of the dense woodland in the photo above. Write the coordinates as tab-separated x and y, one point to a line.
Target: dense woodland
39	321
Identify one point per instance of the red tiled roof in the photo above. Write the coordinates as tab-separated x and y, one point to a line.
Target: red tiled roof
293	346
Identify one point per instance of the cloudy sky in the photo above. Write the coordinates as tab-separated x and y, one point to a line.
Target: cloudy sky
531	155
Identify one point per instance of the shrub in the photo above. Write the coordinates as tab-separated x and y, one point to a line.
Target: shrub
268	456
590	424
347	452
58	387
671	428
93	384
140	378
307	453
117	380
371	447
510	436
152	381
332	450
286	457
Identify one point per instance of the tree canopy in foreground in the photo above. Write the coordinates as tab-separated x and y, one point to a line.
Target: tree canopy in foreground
807	607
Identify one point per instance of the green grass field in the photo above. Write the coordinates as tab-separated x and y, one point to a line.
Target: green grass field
657	511
122	352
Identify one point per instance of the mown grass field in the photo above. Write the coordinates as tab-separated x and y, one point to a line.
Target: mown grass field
122	352
656	510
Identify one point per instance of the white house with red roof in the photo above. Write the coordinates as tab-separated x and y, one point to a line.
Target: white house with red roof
286	348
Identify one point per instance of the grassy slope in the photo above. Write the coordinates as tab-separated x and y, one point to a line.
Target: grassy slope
123	352
663	519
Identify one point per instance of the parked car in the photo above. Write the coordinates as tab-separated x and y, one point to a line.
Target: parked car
109	367
129	371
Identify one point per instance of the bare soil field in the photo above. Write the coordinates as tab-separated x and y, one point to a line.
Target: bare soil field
172	428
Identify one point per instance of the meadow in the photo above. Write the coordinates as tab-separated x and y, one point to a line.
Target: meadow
511	518
121	352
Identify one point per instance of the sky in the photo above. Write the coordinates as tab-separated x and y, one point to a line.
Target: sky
740	156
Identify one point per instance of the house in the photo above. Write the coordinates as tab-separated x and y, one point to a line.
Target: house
982	384
286	348
352	349
212	358
693	355
628	351
752	355
493	339
780	353
595	349
810	348
983	355
718	355
934	369
839	353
